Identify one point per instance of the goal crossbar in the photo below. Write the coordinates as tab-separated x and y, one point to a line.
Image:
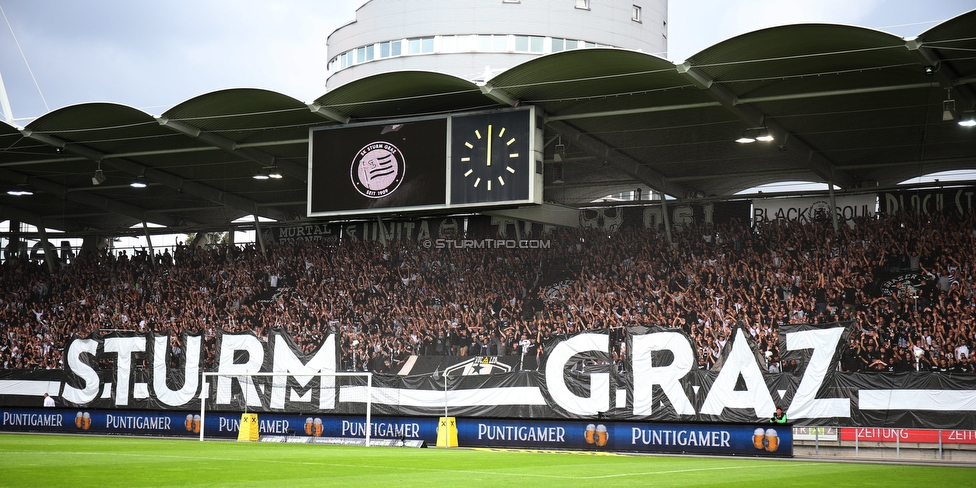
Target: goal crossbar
369	390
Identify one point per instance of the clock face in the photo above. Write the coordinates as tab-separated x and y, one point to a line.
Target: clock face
490	158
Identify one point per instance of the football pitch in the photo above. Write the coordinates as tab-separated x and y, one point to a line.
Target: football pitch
47	460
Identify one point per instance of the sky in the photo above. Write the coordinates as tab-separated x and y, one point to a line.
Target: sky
153	55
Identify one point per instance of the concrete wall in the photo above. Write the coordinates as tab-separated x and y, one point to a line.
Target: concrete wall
606	22
885	451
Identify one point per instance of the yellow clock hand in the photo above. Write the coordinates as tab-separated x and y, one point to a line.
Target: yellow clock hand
489	146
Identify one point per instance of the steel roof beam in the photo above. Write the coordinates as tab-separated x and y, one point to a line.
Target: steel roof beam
196	189
619	160
797	147
743	174
179	184
8	212
499	95
156	152
88	199
264	159
738	101
943	73
633	111
332	115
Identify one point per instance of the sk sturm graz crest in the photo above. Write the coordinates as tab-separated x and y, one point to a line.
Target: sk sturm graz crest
377	170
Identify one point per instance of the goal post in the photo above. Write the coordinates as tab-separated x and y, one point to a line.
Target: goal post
330	383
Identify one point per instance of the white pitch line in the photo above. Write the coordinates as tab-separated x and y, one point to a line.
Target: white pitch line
674	471
410	468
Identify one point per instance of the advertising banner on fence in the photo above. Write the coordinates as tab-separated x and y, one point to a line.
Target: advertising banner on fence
598	434
217	424
805	210
601	434
657	380
920	436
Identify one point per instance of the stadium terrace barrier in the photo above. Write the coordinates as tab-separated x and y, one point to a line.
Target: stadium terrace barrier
565	387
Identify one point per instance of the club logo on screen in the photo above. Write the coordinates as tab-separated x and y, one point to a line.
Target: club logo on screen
377	170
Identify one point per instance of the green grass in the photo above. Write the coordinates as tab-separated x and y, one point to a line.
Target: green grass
46	460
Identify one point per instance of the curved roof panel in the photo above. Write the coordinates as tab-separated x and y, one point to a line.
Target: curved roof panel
404	94
847	105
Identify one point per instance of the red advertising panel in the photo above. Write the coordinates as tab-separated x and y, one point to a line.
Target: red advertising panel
920	436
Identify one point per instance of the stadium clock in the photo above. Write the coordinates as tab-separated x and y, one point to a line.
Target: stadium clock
490	157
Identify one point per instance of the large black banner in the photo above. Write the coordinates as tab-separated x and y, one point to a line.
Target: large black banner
658	380
418	231
432	230
679	215
951	202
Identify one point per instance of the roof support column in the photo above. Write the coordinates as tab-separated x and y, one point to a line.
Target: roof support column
231	242
47	247
666	219
152	254
382	231
12	249
257	233
833	208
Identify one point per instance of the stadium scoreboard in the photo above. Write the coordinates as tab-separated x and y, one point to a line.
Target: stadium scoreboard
457	161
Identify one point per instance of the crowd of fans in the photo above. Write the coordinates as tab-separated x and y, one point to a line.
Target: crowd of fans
388	302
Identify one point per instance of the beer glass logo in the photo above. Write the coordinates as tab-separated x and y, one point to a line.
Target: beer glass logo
83	420
772	440
377	170
767	439
313	427
596	435
193	423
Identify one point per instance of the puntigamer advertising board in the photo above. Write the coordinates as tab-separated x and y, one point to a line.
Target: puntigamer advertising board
761	439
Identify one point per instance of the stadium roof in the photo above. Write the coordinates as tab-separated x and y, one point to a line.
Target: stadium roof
847	105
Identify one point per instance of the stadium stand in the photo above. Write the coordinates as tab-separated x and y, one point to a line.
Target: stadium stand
388	303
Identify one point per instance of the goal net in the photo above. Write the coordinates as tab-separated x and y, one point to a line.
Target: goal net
308	397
